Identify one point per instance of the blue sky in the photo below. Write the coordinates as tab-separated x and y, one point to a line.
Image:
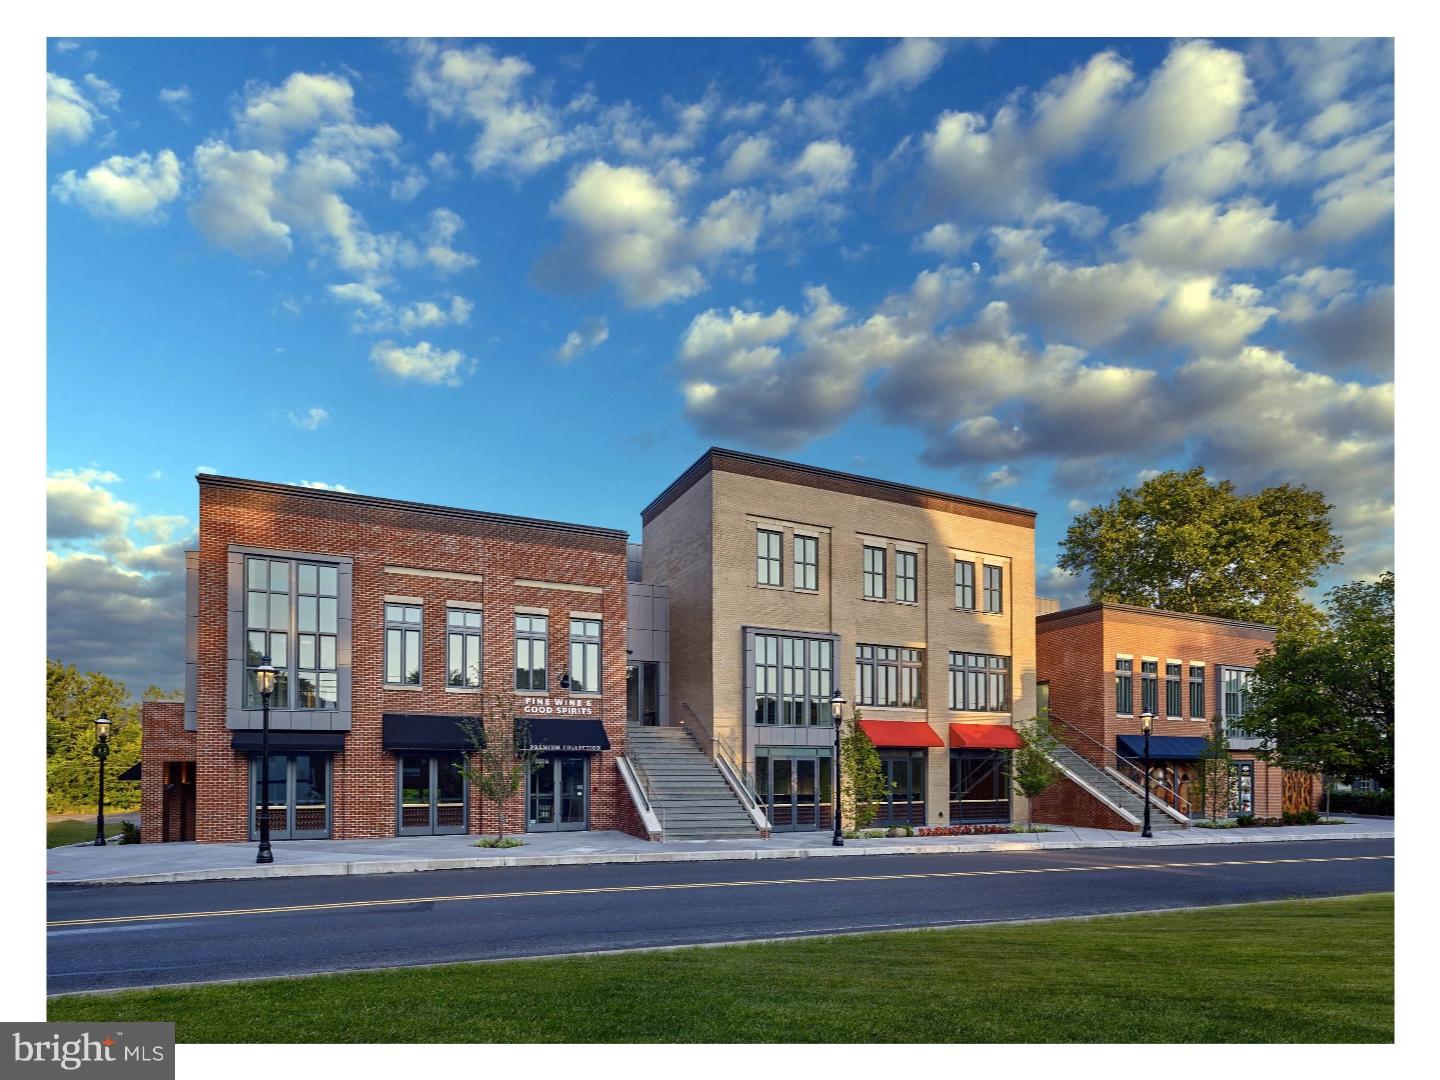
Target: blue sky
540	277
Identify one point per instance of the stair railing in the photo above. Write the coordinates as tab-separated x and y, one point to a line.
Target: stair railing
697	730
1129	771
726	756
643	790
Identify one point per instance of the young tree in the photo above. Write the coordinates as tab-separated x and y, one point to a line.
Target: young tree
1210	782
1032	766
1326	702
1183	543
498	759
861	774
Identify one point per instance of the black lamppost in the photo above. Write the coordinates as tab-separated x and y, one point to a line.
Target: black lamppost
837	712
265	683
101	751
1146	719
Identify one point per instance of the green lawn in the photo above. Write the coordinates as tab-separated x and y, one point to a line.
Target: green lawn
1299	971
58	833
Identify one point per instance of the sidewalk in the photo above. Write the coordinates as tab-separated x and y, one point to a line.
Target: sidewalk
138	863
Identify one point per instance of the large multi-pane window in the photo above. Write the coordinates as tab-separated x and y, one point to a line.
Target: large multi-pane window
874	573
585	656
317	618
464	637
1197	692
1235	696
1149	687
531	636
267	627
889	677
402	644
767	557
1172	690
964	585
1124	686
793	679
979	682
807	562
994	589
905	575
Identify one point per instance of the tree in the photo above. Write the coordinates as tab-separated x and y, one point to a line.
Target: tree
1326	702
1032	766
1210	783
1183	543
499	758
861	774
73	699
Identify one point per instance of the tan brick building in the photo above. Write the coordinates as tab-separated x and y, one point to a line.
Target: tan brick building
1101	666
787	581
387	621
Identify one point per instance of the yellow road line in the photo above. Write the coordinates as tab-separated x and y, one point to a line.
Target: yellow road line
608	889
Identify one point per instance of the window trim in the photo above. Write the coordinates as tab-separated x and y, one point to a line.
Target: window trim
982	676
1150	687
806	570
1125	675
403	626
998	591
530	636
899	661
968	587
586	642
873	576
817	684
465	633
1172	684
1197	683
774	563
913	578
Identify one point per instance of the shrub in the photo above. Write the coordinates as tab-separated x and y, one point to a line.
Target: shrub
499	842
1215	824
964	830
1378	803
129	832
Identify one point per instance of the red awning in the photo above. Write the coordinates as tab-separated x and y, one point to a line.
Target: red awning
985	737
907	733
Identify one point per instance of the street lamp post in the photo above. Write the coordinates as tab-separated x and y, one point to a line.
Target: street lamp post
1146	720
101	751
837	712
265	683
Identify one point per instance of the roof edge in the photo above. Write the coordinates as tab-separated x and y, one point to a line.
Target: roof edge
1100	607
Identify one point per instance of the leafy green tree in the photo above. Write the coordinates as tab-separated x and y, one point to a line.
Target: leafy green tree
498	759
1183	543
1032	767
1209	786
73	699
1326	702
861	774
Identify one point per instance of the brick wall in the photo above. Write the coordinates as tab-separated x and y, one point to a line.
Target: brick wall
164	741
376	534
1067	803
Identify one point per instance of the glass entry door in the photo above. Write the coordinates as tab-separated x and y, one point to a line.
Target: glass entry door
431	794
299	796
904	802
795	790
642	693
557	793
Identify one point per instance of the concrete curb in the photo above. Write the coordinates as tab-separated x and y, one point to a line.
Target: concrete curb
404	866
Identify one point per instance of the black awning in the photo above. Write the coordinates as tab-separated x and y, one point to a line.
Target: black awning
291	742
1162	747
422	731
132	773
566	734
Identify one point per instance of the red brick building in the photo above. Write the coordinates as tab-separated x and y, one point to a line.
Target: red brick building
1104	665
387	621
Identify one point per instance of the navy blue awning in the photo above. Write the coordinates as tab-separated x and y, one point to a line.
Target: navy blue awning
423	731
291	742
567	734
1162	747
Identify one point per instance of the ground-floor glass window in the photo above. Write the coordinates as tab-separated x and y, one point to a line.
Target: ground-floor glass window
556	794
1242	787
431	793
904	801
795	787
299	796
979	786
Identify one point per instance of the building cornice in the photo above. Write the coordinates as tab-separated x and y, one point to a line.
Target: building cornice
1089	612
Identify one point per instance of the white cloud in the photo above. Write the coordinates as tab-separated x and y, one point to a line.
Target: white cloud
439	243
749	158
422	362
126	187
312	418
409	185
1208	236
178	99
1339	325
591	333
903	66
105	94
945	240
828	53
1192	101
303	102
236	206
69	115
321	485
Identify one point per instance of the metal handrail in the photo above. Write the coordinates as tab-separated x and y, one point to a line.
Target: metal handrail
725	754
703	738
645	789
1171	796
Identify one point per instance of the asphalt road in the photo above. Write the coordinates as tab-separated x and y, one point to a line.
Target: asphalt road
114	936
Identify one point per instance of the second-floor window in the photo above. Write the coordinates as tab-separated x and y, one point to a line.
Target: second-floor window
585	656
905	574
402	644
888	677
807	562
873	579
1172	690
531	636
1235	695
767	557
1197	692
317	629
964	585
1124	686
1149	687
793	680
463	642
979	683
994	589
267	627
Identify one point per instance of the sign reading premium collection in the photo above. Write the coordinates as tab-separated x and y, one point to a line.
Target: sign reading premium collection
560	706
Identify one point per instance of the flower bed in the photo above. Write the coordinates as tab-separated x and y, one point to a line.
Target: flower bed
963	830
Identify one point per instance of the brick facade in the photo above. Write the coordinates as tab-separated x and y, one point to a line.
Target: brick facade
1076	651
429	554
167	755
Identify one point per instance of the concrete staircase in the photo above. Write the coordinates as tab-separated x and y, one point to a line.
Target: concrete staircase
689	794
1111	791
